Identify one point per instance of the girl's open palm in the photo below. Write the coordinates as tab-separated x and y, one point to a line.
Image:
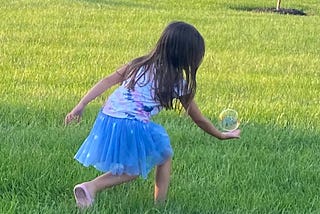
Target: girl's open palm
232	134
75	114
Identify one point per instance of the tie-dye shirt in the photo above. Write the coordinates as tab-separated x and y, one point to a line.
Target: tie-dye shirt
137	104
133	104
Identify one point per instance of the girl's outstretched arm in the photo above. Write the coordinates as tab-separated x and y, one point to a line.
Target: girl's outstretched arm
206	125
100	87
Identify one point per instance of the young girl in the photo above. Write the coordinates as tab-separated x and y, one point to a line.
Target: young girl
123	142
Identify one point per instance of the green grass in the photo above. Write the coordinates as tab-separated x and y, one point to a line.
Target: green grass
267	66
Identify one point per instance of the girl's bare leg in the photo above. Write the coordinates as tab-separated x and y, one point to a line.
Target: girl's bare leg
162	181
99	183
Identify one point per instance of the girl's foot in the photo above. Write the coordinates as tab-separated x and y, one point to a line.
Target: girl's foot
82	195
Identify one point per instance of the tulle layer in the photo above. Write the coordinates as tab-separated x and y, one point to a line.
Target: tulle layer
124	146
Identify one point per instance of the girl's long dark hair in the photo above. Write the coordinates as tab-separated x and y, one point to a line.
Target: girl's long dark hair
176	57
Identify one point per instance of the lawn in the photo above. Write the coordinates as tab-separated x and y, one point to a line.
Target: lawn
264	65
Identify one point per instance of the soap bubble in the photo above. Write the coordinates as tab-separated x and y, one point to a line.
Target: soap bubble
229	120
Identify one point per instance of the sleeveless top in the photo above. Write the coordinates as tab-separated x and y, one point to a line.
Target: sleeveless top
139	104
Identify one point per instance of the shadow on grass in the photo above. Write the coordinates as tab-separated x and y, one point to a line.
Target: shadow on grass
284	11
266	157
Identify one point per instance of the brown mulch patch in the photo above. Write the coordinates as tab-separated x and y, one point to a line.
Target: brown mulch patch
285	11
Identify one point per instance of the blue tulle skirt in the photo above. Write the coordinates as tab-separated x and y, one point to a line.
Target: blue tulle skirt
124	146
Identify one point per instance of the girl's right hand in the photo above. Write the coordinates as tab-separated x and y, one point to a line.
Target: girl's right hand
231	135
75	114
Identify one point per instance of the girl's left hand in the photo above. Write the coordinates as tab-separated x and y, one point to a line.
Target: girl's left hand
75	114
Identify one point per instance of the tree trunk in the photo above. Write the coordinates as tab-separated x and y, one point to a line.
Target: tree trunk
278	4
